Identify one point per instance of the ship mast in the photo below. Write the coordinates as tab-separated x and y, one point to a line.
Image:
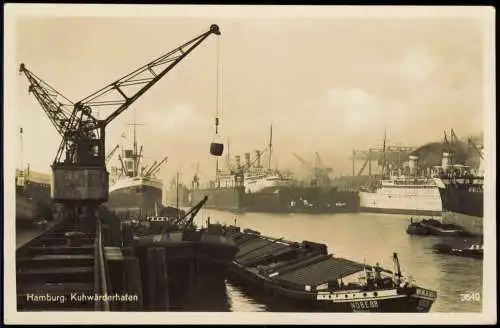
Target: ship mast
270	146
136	155
21	139
384	154
177	194
228	159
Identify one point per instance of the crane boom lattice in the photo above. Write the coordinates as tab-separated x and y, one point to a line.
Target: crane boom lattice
57	107
79	169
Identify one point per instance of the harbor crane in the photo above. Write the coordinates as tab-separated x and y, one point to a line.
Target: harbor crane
111	153
476	148
320	174
391	155
79	169
195	184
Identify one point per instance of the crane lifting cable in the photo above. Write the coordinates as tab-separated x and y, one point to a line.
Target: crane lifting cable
217	147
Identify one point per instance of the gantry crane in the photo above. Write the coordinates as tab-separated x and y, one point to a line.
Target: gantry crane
79	169
320	174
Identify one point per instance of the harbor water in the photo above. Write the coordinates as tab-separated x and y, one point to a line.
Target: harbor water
371	238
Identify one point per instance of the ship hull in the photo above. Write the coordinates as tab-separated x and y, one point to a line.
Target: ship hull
402	203
279	299
465	199
135	197
178	197
278	200
33	202
225	199
26	210
289	276
463	203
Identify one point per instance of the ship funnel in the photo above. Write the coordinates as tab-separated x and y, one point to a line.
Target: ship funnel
257	158
129	166
413	164
129	153
247	159
446	161
238	161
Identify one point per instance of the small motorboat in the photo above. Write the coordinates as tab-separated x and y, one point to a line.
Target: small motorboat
474	250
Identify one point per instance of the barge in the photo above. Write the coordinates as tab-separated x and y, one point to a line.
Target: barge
291	276
431	226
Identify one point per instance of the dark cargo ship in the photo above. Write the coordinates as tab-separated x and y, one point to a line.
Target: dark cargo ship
462	198
461	191
286	199
33	199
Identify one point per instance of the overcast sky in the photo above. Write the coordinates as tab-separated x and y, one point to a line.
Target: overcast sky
327	85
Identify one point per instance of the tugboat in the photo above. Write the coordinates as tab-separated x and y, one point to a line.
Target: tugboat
431	226
466	248
416	228
293	276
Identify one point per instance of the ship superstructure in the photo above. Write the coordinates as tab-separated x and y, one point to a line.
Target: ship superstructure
247	186
403	191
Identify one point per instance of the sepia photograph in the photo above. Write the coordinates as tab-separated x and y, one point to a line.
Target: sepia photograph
249	164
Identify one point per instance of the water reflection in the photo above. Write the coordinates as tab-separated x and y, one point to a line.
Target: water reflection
207	298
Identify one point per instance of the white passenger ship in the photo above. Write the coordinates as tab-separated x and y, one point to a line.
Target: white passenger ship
403	193
254	179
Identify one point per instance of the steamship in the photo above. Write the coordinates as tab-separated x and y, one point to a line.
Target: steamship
33	199
134	189
248	187
251	187
404	191
461	191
